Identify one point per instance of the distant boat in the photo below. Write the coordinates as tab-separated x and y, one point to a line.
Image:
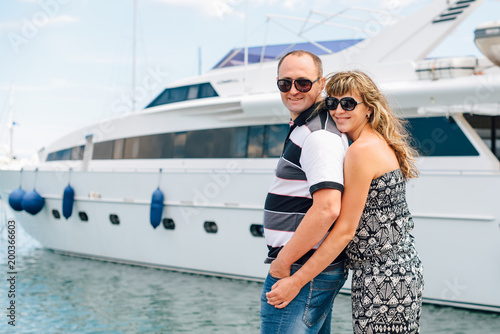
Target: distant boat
210	145
487	38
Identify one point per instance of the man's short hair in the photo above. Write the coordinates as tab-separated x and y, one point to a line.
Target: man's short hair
300	53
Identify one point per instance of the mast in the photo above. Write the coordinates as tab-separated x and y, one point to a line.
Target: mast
11	123
134	60
245	87
199	60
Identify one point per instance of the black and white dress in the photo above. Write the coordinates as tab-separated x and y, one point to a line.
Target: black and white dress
387	281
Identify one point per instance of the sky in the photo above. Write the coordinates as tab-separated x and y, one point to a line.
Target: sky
67	63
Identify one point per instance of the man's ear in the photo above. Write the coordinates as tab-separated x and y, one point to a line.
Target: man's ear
322	82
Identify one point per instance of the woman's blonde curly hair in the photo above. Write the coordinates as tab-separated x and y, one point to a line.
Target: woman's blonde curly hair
382	119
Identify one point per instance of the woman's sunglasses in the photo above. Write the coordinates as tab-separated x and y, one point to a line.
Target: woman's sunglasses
302	85
347	103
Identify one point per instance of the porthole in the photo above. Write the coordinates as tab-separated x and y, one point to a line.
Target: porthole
257	230
168	224
83	216
210	227
114	219
56	214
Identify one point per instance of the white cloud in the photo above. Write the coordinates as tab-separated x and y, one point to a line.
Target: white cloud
291	4
37	21
62	20
395	4
220	8
216	8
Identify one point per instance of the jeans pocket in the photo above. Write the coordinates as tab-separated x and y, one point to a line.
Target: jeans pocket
322	292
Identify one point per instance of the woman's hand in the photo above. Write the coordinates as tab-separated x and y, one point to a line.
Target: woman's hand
283	292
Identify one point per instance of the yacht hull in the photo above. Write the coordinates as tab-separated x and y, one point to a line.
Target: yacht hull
456	223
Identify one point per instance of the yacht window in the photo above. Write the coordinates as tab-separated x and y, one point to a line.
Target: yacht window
56	214
150	147
114	219
179	144
210	227
60	155
257	230
83	216
488	128
103	150
255	142
168	224
132	148
65	154
192	93
275	136
184	93
51	156
165	145
118	149
206	90
77	152
440	136
261	141
178	94
216	143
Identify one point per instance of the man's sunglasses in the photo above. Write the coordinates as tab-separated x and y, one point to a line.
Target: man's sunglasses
302	85
347	103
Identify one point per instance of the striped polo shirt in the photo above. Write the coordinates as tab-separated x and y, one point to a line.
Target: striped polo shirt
312	159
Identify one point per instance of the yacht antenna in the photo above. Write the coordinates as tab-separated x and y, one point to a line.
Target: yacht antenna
11	123
199	60
134	60
246	47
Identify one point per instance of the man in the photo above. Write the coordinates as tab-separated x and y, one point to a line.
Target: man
304	199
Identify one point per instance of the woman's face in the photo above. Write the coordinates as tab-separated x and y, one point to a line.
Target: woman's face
349	121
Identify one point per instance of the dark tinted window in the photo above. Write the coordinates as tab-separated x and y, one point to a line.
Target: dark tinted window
77	152
440	136
216	143
150	147
256	141
276	135
488	128
179	144
184	93
60	155
206	90
103	150
261	141
118	149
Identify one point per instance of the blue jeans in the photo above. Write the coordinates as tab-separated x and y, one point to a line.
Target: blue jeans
309	312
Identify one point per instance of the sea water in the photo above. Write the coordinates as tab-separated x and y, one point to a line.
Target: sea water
62	294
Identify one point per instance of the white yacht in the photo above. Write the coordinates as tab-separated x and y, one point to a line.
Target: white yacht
210	145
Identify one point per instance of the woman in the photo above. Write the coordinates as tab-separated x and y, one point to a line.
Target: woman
374	221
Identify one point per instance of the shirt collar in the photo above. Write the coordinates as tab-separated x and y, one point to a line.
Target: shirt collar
302	118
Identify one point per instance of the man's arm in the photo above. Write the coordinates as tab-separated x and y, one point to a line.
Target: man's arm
322	160
313	228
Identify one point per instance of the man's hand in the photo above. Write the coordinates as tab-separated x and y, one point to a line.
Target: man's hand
283	292
278	269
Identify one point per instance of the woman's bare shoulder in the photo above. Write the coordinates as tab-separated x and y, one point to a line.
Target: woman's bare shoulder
374	154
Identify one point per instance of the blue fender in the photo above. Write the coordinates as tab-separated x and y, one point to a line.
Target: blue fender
33	202
156	208
16	199
68	200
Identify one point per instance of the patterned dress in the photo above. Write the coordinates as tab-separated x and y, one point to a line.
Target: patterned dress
387	281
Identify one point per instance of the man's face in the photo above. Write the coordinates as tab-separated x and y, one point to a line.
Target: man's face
300	67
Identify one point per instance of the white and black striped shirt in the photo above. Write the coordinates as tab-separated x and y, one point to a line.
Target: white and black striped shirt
312	159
